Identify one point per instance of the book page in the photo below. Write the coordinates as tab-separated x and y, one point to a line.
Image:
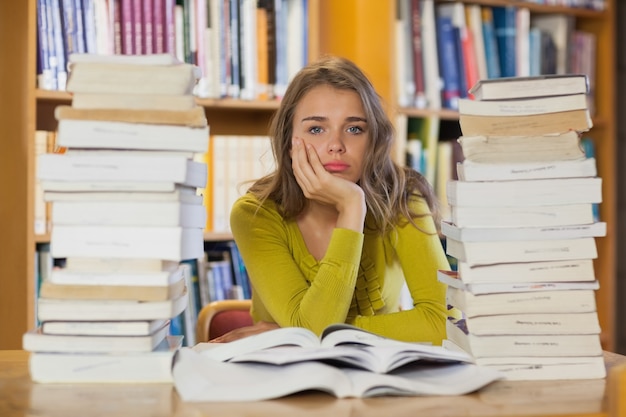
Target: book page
286	336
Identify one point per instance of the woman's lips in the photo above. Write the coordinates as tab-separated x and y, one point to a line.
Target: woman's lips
336	166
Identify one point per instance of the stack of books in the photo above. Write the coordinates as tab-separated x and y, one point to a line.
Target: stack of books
523	230
125	213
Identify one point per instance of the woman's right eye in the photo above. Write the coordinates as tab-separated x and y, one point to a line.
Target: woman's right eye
315	130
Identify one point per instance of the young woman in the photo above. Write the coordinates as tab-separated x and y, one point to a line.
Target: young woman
338	228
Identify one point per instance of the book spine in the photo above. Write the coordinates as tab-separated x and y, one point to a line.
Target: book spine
59	44
79	20
169	27
89	21
418	64
491	46
504	21
148	29
137	24
235	81
46	59
448	64
126	25
158	27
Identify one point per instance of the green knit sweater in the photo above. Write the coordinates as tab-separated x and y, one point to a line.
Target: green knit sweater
358	281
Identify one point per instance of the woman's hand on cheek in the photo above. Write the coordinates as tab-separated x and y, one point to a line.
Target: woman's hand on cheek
316	183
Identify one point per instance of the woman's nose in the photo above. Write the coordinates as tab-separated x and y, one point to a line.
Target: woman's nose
335	145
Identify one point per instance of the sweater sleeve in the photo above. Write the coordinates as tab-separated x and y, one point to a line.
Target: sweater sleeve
420	255
288	296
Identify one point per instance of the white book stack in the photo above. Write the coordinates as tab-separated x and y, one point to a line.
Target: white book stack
125	213
522	229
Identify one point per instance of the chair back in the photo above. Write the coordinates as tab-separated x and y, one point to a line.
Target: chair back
220	317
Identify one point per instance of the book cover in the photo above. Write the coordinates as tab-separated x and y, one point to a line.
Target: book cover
537	124
561	345
527	148
476	171
480	234
170	243
129	368
99	134
37	341
524	193
51	309
149	292
522	216
575	301
105	168
523	106
549	271
538	86
485	253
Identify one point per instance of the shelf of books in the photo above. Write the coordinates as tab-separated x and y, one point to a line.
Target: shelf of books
238	113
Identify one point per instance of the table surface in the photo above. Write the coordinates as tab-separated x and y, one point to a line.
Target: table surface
19	396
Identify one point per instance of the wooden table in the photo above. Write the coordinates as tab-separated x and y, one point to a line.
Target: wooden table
583	398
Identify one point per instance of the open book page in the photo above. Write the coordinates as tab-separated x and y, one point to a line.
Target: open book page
340	344
198	378
285	336
379	359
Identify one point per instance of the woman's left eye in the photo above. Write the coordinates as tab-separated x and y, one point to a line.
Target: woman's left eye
355	129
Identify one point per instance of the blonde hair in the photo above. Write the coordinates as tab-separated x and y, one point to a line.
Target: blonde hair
388	188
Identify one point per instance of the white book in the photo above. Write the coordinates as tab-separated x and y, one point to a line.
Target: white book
128	213
482	234
517	193
542	368
476	171
185	195
124	77
119	265
170	243
521	368
485	253
549	301
523	107
133	101
119	367
553	271
37	341
109	291
103	328
151	59
78	186
122	135
452	279
52	309
533	323
521	216
94	274
105	168
525	345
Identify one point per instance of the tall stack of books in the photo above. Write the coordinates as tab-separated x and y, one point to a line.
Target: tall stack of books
125	213
522	229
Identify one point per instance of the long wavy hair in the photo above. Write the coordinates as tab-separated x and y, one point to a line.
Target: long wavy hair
388	187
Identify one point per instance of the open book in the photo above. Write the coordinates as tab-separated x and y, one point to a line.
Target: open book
345	362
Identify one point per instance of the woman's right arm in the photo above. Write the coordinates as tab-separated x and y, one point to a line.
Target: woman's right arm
269	252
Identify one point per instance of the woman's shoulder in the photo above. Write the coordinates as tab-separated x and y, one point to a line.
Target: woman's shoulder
249	205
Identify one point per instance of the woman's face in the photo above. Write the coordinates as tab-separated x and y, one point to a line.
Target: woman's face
334	123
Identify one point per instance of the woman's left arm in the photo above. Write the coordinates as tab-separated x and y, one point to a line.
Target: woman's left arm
420	254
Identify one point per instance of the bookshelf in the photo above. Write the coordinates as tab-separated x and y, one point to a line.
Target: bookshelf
336	27
349	32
